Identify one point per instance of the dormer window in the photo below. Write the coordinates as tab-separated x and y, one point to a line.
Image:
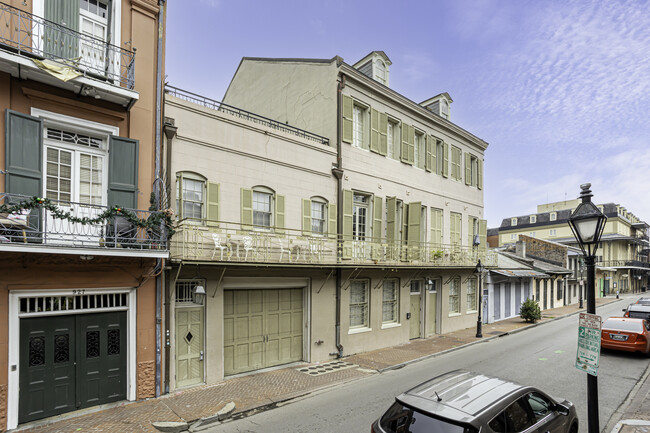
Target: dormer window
375	65
553	216
513	221
533	219
380	71
444	108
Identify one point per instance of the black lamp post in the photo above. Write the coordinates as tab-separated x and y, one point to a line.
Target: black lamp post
479	323
587	223
582	282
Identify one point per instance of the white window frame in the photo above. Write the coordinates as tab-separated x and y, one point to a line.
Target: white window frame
366	319
473	168
553	216
268	191
533	219
454	294
440	156
356	220
325	207
392	302
419	153
195	177
513	221
393	139
380	71
360	127
513	236
532	234
552	232
472	292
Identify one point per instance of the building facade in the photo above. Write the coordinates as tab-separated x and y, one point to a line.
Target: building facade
622	258
80	252
339	218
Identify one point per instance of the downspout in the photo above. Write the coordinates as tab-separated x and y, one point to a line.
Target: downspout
338	173
157	182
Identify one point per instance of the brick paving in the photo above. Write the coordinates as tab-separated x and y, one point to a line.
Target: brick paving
266	389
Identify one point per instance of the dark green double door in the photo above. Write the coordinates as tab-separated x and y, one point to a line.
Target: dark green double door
71	362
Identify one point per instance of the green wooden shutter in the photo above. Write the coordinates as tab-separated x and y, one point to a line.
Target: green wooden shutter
246	209
404	152
445	159
468	168
429	161
306	216
179	195
60	43
383	134
454	228
482	233
333	218
377	219
480	174
213	193
413	230
391	219
123	172
436	227
23	154
470	231
279	213
347	119
434	155
347	214
411	131
374	130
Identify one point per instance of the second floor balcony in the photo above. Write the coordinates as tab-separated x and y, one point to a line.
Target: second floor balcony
226	243
35	46
624	264
30	224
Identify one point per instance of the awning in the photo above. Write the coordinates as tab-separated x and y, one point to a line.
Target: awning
519	273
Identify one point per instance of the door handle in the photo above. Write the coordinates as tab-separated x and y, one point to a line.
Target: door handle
201	356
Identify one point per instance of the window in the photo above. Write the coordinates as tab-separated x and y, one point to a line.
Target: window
553	216
560	289
455	163
360	211
472	170
471	294
444	108
454	296
359	301
533	219
516	418
440	156
531	234
318	216
513	221
540	405
380	71
262	208
552	232
472	227
94	23
393	138
359	138
190	191
436	227
455	228
433	285
390	301
420	151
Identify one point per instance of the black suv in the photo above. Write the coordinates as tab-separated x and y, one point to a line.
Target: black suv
464	402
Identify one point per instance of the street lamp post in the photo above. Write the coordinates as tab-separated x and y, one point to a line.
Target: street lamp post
582	282
587	223
479	322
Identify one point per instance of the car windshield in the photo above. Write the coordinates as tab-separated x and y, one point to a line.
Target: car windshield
621	325
403	419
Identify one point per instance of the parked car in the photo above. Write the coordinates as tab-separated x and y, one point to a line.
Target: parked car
465	402
643	301
638	311
625	333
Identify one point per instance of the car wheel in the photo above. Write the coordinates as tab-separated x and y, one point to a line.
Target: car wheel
574	429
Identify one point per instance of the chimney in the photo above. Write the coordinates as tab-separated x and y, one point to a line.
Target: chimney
520	248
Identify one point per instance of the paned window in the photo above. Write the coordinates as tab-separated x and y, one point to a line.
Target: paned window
359	302
513	221
440	155
454	295
552	232
455	162
358	127
419	150
533	219
360	216
189	197
318	217
553	216
455	229
471	294
262	209
436	227
390	301
380	71
473	171
393	138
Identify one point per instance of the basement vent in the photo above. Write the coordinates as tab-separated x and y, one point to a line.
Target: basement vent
328	367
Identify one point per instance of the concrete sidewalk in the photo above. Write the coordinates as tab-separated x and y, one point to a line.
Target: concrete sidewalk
264	390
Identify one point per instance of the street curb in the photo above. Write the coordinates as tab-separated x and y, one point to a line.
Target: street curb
615	422
484	340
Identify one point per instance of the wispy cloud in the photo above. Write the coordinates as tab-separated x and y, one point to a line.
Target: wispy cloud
211	3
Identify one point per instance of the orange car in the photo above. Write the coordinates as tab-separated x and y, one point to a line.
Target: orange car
624	333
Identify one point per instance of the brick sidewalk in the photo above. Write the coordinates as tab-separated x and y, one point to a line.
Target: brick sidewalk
260	391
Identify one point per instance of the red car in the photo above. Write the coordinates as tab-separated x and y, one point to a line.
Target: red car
628	334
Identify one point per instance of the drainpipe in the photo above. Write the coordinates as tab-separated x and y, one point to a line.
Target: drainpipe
338	173
157	182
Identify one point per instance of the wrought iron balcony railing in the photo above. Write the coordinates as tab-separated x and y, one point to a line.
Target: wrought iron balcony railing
227	242
79	225
624	263
35	37
238	112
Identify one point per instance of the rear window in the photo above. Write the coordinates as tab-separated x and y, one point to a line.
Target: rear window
628	325
639	314
403	419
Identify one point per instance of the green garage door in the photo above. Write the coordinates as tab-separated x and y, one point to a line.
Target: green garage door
262	328
71	362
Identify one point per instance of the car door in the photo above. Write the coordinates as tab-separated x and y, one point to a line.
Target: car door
515	418
547	420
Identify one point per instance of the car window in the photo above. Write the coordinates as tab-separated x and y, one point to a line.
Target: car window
623	325
515	418
540	405
403	419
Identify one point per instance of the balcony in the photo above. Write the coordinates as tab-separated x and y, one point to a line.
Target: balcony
227	243
106	71
624	264
62	227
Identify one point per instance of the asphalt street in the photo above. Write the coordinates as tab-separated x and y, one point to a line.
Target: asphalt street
543	356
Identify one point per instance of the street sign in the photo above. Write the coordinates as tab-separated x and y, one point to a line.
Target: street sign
588	354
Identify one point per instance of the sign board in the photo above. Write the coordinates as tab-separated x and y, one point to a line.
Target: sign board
588	355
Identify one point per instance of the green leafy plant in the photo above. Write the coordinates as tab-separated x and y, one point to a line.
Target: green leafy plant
530	311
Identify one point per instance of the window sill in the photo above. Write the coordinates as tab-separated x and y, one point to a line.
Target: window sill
390	325
359	330
454	314
471	312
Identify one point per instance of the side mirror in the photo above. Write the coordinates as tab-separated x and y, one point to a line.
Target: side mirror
561	409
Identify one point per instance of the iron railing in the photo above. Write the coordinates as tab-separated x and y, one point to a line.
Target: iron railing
243	114
624	263
37	38
197	240
39	227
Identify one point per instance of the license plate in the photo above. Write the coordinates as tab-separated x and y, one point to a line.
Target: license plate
618	337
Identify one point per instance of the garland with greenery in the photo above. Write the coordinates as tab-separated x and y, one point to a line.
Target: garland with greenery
153	222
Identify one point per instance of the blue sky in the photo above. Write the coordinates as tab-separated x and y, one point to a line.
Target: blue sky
559	88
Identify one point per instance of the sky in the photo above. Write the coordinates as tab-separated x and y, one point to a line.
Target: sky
560	89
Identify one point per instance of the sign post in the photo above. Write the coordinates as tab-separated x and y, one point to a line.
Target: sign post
588	355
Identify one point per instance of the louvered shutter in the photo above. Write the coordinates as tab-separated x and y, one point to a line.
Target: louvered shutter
333	218
436	227
482	233
468	168
246	209
445	159
377	219
480	174
383	134
428	162
213	192
123	172
347	119
279	213
434	155
411	158
347	223
391	218
404	152
413	230
374	130
306	216
60	43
